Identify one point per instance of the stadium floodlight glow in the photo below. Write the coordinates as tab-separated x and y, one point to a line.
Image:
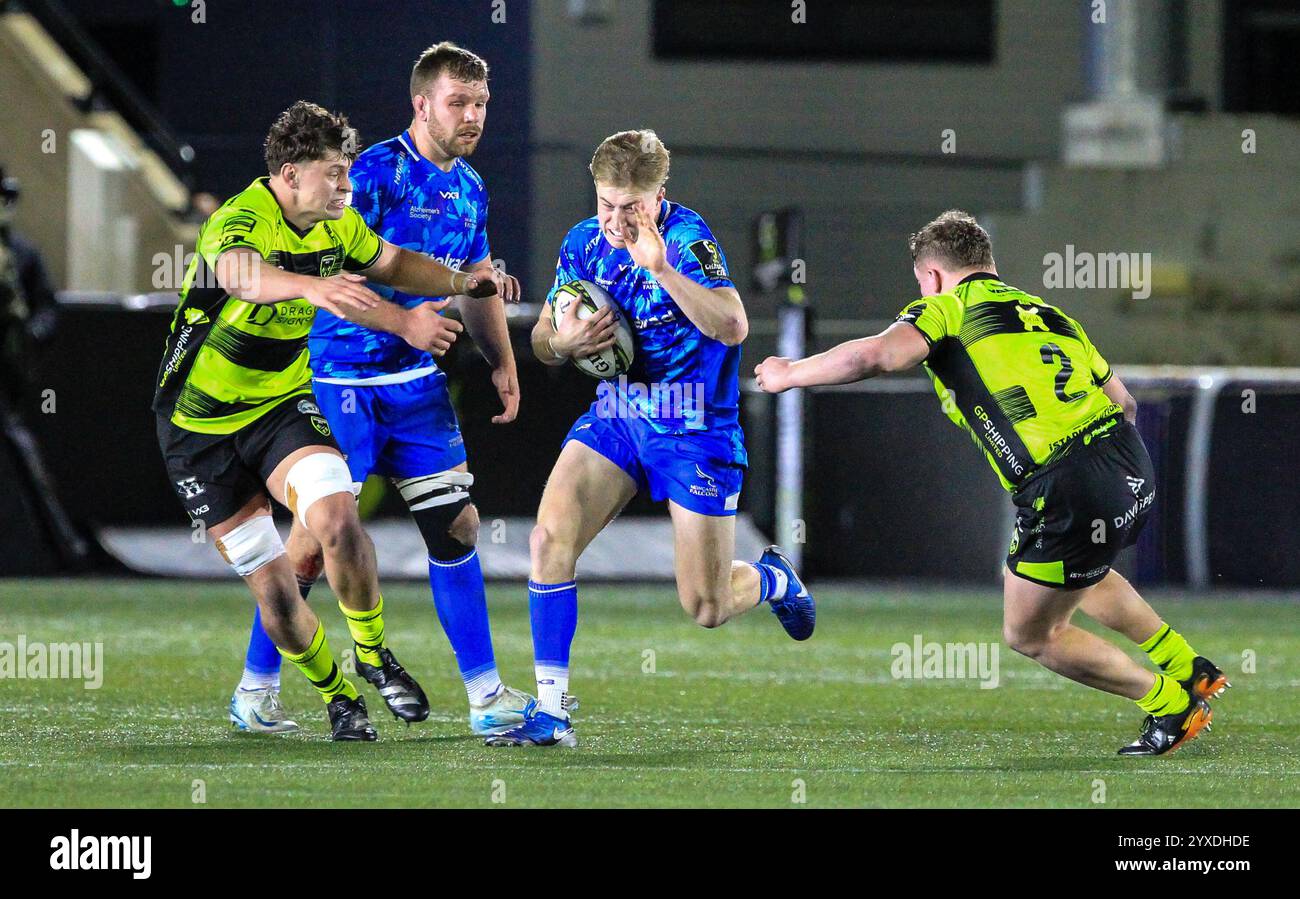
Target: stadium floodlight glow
100	150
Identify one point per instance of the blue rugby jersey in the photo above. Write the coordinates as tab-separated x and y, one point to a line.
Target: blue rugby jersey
412	203
670	350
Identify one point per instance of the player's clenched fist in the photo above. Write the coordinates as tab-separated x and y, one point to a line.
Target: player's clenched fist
427	330
580	338
343	295
773	374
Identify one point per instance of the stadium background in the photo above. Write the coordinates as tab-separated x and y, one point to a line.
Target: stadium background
813	137
868	118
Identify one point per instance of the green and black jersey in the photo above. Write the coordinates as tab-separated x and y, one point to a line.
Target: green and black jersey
228	361
1017	373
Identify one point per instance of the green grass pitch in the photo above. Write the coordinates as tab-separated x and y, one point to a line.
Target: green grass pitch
672	714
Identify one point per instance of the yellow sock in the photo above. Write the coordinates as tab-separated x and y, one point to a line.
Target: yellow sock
1170	651
318	664
1167	697
367	631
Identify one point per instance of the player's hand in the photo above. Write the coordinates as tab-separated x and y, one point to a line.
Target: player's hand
427	330
341	294
506	381
644	242
494	282
491	282
581	338
773	374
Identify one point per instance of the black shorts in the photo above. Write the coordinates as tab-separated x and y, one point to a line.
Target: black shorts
1073	518
215	475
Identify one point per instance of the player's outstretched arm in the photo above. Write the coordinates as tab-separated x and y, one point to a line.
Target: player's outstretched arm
422	276
421	326
897	348
245	275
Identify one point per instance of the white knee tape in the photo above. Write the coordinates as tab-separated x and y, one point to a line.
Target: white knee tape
314	477
435	489
251	545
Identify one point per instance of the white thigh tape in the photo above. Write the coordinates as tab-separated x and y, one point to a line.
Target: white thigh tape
315	477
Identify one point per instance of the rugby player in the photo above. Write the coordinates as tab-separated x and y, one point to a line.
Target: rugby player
237	421
387	402
1056	424
666	273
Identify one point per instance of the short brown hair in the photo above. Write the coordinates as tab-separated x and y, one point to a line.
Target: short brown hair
459	64
635	159
954	240
305	132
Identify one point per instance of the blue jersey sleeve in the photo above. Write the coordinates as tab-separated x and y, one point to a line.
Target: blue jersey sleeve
478	248
694	251
569	266
367	193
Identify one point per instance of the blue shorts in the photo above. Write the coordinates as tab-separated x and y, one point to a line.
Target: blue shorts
700	472
396	430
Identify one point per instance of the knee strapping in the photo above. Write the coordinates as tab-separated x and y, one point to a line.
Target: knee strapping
251	545
441	489
436	501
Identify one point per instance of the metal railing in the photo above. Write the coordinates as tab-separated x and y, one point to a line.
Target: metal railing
1203	383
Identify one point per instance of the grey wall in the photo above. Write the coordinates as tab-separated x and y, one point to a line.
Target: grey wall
857	146
831	137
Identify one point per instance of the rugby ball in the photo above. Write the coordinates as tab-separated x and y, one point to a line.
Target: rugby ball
591	298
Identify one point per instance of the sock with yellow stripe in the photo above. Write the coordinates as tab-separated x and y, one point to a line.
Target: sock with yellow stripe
1170	651
318	664
367	631
1167	697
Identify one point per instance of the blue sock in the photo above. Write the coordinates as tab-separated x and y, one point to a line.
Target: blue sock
766	581
262	663
461	602
553	609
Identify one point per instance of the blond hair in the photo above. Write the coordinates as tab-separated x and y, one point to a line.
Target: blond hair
631	159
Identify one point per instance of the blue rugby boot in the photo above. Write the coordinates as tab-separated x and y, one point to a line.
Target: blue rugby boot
539	729
795	609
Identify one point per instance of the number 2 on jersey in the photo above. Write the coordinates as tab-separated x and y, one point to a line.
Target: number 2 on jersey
1050	351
